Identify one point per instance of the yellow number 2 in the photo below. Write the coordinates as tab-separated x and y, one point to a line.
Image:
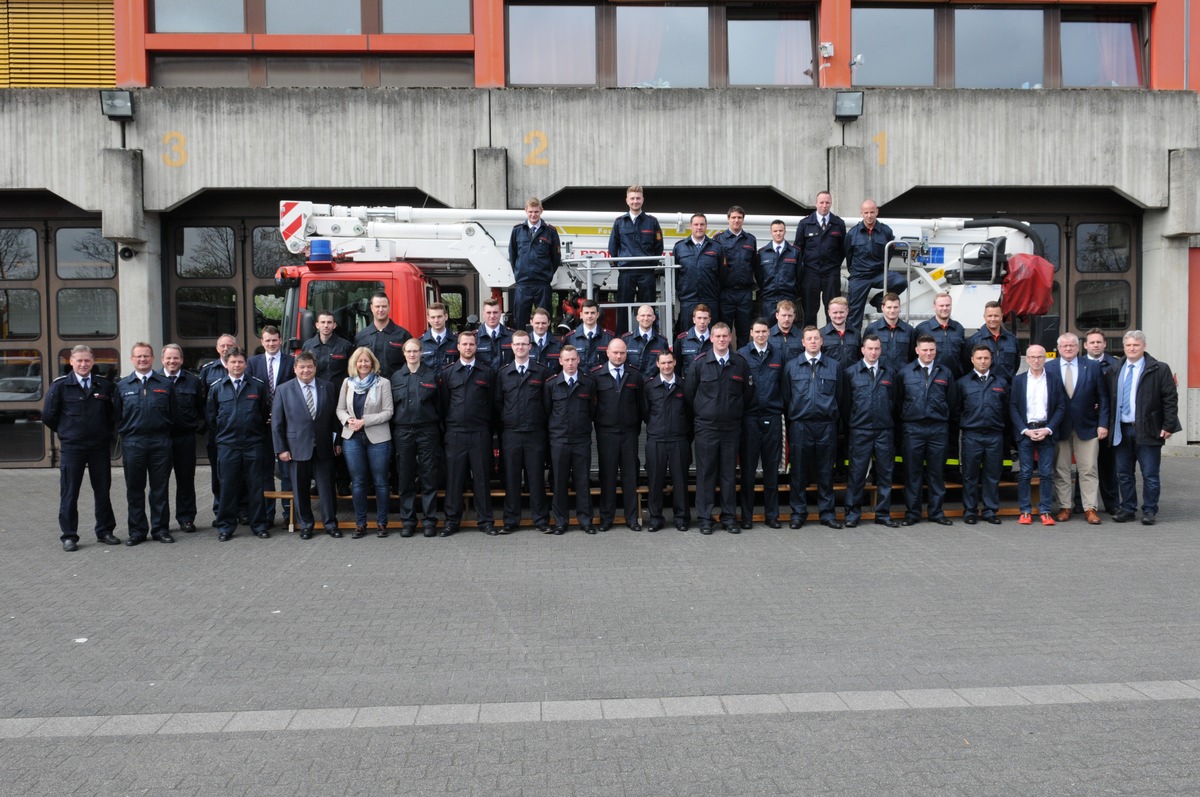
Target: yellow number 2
541	143
176	143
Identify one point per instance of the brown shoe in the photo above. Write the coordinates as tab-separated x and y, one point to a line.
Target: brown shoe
1063	515
1092	517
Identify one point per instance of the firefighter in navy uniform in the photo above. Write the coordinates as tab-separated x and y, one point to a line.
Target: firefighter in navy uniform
813	397
720	391
634	234
927	396
438	348
618	422
79	410
588	338
785	335
694	343
210	373
701	270
144	409
896	338
821	239
416	439
739	250
669	432
570	403
535	253
777	262
871	393
331	350
523	434
762	428
237	413
644	344
981	409
493	339
466	390
384	337
544	347
189	417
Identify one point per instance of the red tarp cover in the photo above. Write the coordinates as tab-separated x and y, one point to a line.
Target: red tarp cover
1027	286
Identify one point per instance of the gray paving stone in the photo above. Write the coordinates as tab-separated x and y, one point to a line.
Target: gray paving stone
1098	693
459	714
17	727
631	708
259	721
691	706
555	710
872	701
132	725
322	719
67	726
510	712
1166	690
813	701
200	722
753	704
932	698
1050	694
992	696
385	716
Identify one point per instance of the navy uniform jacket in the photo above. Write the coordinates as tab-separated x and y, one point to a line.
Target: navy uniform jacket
899	343
821	252
534	257
189	403
871	403
926	402
519	397
81	420
844	347
1087	409
386	344
951	343
777	272
768	372
1006	353
701	271
640	237
415	398
864	249
468	401
495	354
546	354
789	345
688	347
981	406
591	353
618	410
333	358
144	411
438	355
642	355
1056	404
719	397
570	409
211	372
238	420
666	412
741	259
813	394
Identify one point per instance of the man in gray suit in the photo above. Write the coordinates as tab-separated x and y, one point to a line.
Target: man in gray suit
302	425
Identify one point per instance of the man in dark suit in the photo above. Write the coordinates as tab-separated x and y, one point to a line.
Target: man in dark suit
821	239
189	422
668	443
467	392
1036	407
1146	414
618	422
1084	425
274	367
302	427
1096	345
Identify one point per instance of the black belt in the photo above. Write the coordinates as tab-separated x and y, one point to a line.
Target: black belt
1036	425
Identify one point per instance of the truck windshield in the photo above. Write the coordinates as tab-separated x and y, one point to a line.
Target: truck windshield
348	300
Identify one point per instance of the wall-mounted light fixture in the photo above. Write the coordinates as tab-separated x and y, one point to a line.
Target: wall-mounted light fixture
847	105
116	104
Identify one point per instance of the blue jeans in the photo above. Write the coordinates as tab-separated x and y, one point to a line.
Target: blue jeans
1147	459
1045	462
368	462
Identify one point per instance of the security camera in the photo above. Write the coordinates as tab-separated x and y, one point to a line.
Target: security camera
126	253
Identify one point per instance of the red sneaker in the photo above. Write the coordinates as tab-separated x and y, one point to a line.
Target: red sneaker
1025	519
1047	520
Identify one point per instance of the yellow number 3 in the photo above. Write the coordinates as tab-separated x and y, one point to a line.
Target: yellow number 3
176	143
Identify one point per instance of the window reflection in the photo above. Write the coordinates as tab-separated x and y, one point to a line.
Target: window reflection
20	314
662	47
269	252
84	254
317	17
87	313
770	52
566	58
1102	303
268	307
1101	53
897	46
108	363
998	48
18	253
1102	247
429	16
204	252
21	380
205	312
189	16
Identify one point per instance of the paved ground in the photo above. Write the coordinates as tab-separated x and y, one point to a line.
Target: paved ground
968	660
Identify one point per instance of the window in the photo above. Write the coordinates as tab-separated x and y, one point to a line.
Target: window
897	46
268	307
770	52
427	72
108	363
84	254
315	17
539	52
206	312
425	16
1102	247
998	48
18	253
315	72
1101	51
269	252
349	301
189	16
1050	234
662	47
87	313
1102	303
20	314
205	253
201	71
21	380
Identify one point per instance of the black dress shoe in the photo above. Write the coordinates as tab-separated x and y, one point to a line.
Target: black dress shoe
589	529
381	530
108	539
187	528
337	535
132	541
306	534
706	528
491	531
605	526
1123	517
682	525
430	531
448	531
733	528
225	536
774	524
797	522
655	525
970	520
244	520
886	521
909	521
943	521
163	537
746	524
263	534
560	530
850	524
634	525
993	519
408	530
1148	520
831	524
542	527
509	528
70	546
359	533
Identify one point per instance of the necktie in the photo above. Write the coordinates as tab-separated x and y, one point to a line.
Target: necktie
142	379
541	343
620	375
721	360
982	378
1126	389
590	336
812	363
270	379
762	353
1069	379
468	367
928	372
87	384
174	378
872	372
646	338
668	385
310	400
521	370
237	387
824	223
570	382
438	339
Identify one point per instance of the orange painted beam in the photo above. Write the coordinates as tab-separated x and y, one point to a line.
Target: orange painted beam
489	43
309	43
129	28
1168	42
833	25
413	43
198	42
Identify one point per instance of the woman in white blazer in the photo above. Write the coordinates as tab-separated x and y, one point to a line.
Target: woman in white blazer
365	410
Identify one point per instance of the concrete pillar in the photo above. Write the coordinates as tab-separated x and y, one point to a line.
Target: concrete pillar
123	217
1164	302
140	288
1183	205
848	179
491	178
